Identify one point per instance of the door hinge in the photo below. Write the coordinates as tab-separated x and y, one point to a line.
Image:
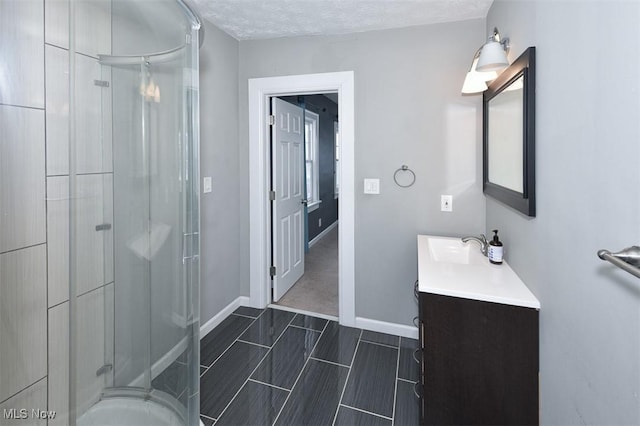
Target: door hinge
272	195
272	271
272	120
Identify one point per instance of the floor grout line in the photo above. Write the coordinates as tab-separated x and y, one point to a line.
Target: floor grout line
395	386
299	374
346	382
381	344
353	358
254	344
261	313
305	328
205	370
367	412
268	384
208	417
329	362
181	393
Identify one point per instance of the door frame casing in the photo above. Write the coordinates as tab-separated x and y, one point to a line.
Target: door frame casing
260	91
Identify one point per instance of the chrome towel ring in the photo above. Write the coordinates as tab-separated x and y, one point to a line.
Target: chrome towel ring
412	178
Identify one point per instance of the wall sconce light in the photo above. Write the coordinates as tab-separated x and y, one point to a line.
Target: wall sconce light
493	56
476	81
487	61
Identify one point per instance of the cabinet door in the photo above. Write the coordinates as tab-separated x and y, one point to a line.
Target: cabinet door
480	362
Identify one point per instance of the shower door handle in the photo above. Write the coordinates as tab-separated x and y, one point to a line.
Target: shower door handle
103	227
104	369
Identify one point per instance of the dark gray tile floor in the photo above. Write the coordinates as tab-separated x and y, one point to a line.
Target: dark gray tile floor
272	367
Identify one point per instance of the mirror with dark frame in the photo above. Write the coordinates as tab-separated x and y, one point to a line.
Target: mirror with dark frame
509	135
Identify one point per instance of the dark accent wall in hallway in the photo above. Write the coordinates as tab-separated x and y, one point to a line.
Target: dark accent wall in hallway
328	112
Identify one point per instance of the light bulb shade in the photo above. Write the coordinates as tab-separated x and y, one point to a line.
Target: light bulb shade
485	75
493	57
488	75
473	83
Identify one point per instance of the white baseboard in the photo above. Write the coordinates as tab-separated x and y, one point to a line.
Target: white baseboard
387	327
220	316
323	233
163	363
168	358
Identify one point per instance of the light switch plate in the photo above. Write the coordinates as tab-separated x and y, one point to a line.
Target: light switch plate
446	203
206	185
371	186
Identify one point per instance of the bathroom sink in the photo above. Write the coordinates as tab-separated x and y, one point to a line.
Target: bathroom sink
449	267
453	250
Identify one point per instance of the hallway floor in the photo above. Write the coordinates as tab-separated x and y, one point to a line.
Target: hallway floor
265	367
317	290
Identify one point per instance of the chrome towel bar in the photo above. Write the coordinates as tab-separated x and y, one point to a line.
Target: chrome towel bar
627	259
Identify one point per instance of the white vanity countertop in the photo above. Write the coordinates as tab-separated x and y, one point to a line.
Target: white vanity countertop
478	280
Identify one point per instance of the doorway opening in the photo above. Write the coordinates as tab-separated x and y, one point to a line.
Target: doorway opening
305	252
261	91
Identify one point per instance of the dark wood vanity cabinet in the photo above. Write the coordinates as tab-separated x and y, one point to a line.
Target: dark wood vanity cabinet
479	362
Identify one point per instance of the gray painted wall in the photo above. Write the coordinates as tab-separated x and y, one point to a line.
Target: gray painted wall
588	162
408	110
327	211
220	209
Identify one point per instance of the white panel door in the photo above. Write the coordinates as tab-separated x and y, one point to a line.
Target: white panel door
287	148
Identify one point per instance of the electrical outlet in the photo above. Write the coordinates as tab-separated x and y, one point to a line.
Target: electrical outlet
320	223
446	203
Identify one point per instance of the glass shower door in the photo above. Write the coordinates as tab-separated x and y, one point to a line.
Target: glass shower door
152	236
134	334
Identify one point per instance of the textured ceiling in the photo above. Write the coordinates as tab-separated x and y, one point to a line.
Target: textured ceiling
259	19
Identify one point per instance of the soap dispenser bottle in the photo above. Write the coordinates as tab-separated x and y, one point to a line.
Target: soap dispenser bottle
495	249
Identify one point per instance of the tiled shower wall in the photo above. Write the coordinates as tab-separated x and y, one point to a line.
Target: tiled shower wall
34	204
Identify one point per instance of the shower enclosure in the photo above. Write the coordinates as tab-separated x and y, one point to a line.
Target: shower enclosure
133	185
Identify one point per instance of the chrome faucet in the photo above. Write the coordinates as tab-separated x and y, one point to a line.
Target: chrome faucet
484	244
